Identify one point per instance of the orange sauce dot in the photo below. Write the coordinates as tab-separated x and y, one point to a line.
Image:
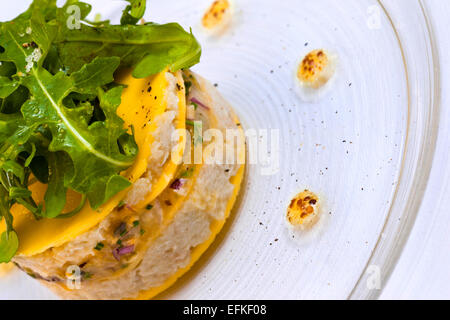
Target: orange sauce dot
217	13
303	209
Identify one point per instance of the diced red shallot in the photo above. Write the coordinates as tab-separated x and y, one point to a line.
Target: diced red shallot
178	184
198	102
121	251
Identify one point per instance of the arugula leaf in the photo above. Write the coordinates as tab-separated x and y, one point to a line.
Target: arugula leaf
18	192
9	242
45	7
148	49
7	86
7	69
105	189
58	102
39	168
9	123
55	196
127	18
133	12
14	101
93	156
14	168
95	74
137	8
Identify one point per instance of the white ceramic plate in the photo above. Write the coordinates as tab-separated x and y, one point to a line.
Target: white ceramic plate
365	148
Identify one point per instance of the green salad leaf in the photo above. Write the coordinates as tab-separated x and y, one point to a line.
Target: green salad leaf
9	243
148	49
133	12
8	239
58	102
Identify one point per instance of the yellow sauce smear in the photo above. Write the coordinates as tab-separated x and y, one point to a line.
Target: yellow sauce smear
135	98
5	268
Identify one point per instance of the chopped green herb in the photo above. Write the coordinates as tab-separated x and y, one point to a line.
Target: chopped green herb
187	85
195	105
135	223
142	232
99	246
190	123
149	207
121	229
187	173
198	129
